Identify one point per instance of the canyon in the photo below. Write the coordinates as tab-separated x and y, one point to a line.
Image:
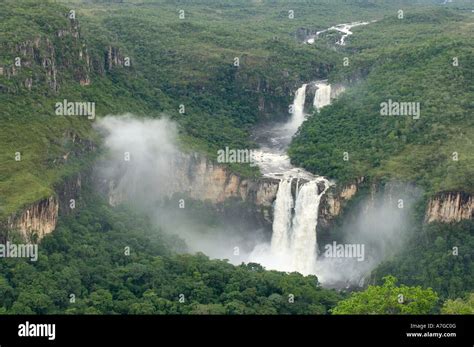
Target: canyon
292	202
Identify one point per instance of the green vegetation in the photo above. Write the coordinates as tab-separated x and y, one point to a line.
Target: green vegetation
86	257
190	62
439	256
173	62
405	60
389	299
459	306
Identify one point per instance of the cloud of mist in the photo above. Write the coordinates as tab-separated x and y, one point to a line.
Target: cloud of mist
140	158
381	224
151	180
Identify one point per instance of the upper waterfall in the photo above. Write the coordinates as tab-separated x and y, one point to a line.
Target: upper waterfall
298	115
322	96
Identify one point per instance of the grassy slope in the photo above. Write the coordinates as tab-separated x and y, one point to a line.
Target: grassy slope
27	118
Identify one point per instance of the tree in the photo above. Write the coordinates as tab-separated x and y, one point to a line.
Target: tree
459	306
389	299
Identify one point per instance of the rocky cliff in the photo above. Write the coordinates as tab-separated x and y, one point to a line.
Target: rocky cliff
201	179
445	207
40	218
48	61
333	202
450	207
37	220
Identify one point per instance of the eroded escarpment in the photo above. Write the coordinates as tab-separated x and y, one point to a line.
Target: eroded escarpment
201	179
36	220
444	207
335	199
40	218
450	207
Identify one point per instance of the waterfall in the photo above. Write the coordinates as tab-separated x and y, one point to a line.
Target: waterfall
293	245
282	218
298	110
303	242
322	97
294	240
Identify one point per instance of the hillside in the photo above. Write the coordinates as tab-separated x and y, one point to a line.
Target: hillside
402	60
173	62
219	71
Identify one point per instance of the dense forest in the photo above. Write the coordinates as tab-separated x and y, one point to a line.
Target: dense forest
406	63
113	261
219	70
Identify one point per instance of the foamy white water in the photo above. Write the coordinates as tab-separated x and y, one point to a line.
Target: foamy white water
344	28
298	116
282	218
293	246
322	96
303	245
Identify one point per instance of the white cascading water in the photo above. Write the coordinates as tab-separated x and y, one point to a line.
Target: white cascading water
282	218
322	97
303	233
344	29
298	115
295	215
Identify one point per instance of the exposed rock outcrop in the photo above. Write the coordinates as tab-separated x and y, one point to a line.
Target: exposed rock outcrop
37	220
450	207
40	218
201	179
113	58
56	57
334	200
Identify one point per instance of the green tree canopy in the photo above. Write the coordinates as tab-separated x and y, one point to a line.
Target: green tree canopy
459	306
389	299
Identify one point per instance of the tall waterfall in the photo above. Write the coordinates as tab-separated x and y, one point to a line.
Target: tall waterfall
294	236
295	220
293	245
303	234
282	218
322	97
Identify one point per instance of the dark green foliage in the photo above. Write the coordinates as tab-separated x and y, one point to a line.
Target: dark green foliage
85	256
406	60
429	260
